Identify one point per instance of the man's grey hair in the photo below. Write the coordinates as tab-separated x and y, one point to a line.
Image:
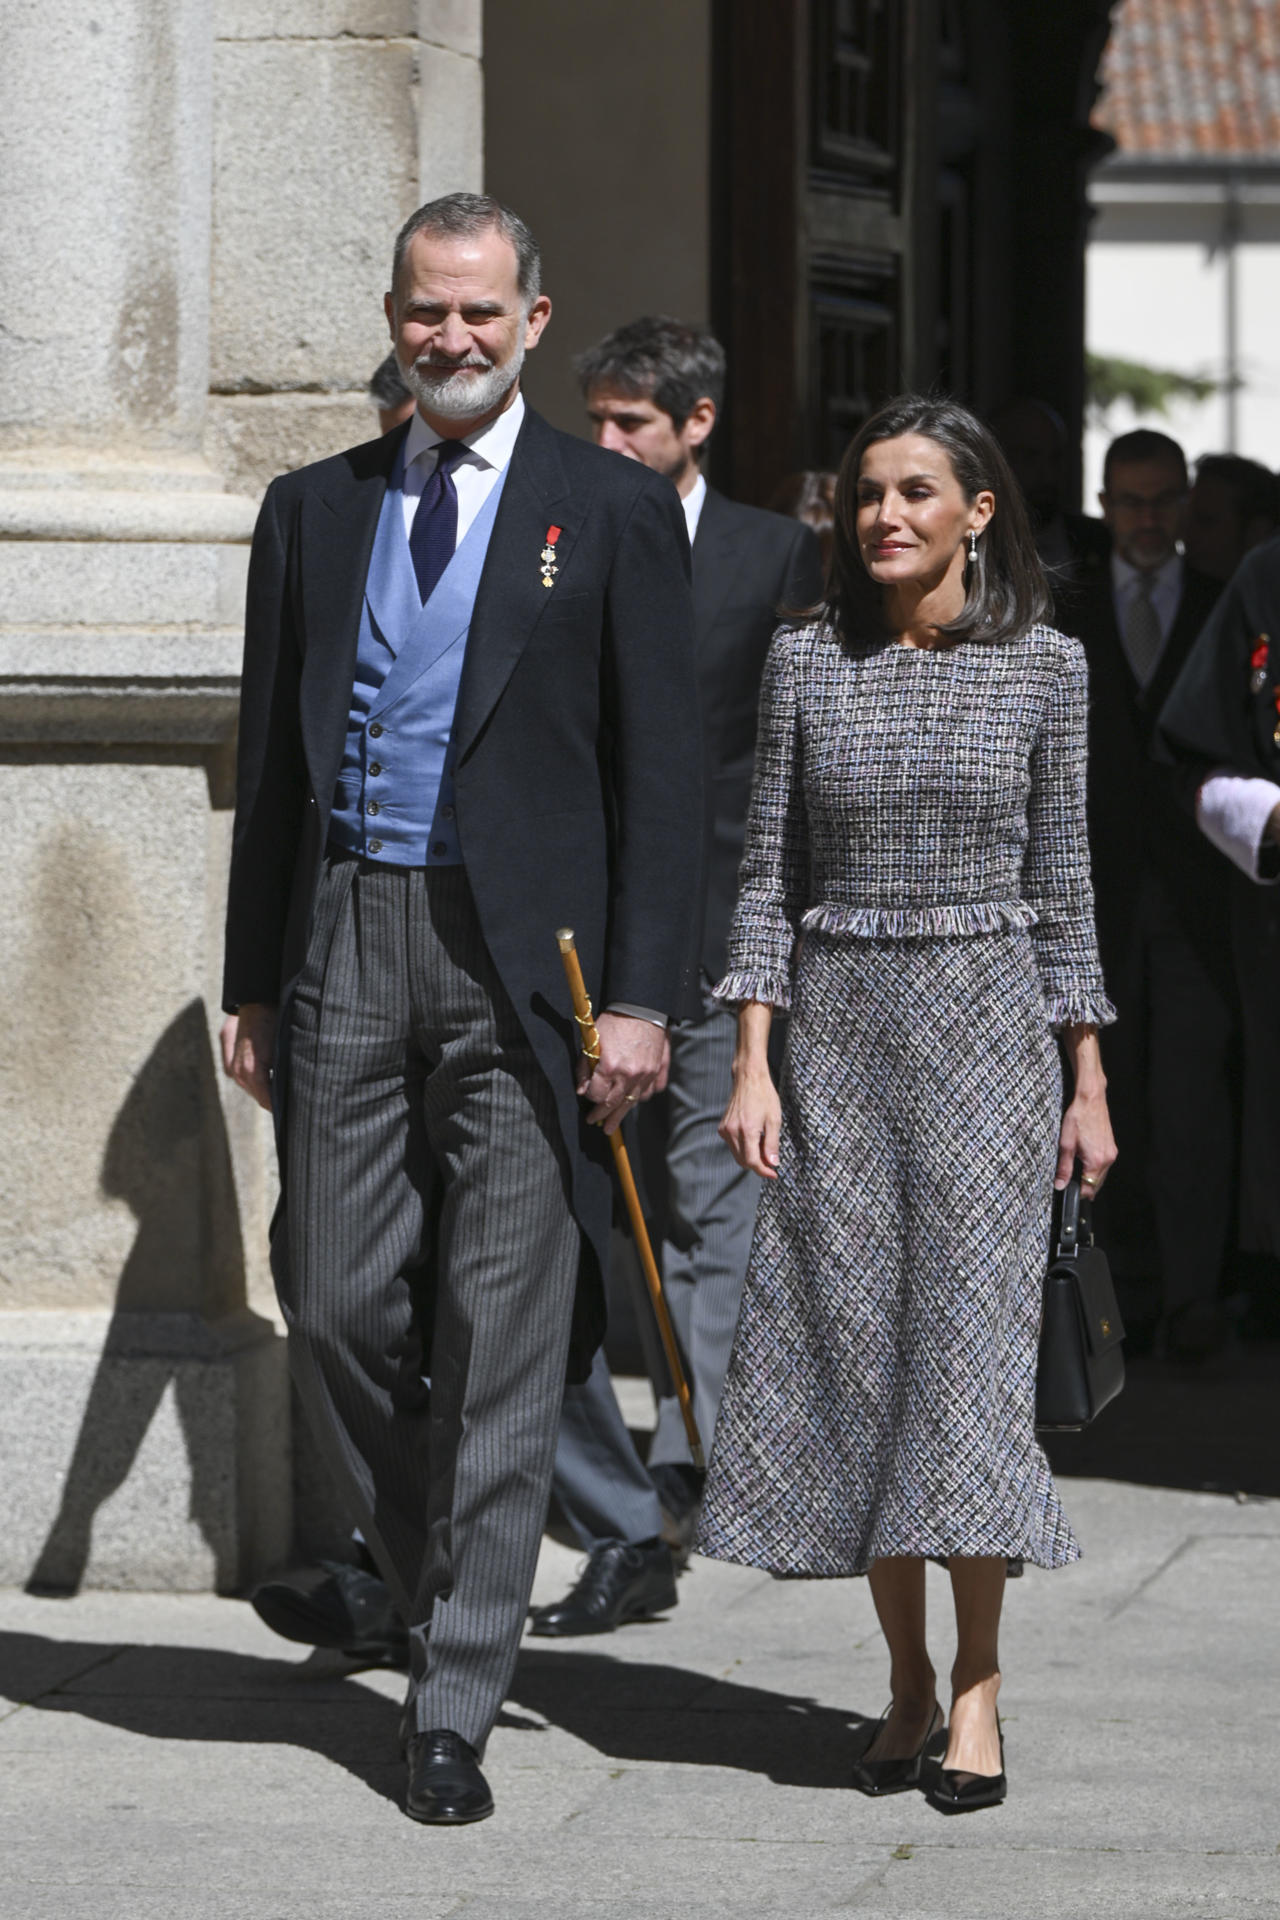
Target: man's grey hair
658	359
386	384
463	216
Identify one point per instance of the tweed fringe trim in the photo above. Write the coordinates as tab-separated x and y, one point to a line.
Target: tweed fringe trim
773	988
922	923
1080	1010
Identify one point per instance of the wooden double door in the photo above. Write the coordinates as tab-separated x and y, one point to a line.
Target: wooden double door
897	201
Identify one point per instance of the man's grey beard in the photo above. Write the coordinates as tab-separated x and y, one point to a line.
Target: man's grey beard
456	394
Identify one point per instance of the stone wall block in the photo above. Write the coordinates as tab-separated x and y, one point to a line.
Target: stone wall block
315	19
250	438
104	122
450	124
143	1440
315	169
458	24
156	584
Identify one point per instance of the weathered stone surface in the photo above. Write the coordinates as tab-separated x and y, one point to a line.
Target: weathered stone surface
251	438
104	110
154	1449
152	583
450	123
314	19
115	1179
441	23
306	204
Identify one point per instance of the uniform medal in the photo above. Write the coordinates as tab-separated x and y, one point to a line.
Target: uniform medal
548	556
1258	663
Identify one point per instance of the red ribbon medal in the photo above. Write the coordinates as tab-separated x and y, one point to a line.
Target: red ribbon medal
549	567
1258	663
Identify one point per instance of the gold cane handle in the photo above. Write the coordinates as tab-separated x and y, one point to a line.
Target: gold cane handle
581	998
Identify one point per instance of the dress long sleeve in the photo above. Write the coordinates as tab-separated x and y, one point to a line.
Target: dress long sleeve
774	881
1055	875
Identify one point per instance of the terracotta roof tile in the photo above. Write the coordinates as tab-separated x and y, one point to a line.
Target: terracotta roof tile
1193	78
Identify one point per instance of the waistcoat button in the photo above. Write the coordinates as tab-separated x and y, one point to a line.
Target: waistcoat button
375	846
375	730
376	768
372	807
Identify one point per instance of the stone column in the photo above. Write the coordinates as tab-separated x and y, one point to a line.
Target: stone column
143	1401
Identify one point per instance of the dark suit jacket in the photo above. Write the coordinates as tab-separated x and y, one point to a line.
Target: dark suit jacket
578	749
1136	821
746	564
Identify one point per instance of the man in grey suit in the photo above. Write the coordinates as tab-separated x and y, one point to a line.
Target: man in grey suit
468	717
652	390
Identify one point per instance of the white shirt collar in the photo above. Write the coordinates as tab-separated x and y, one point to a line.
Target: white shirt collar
1165	580
490	446
692	504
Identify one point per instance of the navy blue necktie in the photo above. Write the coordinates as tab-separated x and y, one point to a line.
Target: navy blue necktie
434	534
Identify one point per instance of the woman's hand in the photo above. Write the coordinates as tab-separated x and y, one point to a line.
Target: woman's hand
1086	1125
752	1122
1086	1136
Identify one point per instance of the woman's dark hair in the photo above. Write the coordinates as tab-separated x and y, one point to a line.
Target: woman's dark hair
1005	588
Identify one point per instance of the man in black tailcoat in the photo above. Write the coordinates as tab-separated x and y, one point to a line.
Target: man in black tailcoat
1169	1212
1221	725
468	718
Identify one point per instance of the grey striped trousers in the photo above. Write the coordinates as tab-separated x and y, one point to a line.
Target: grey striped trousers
429	1233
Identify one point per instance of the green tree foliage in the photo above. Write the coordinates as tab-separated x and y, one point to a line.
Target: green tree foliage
1147	389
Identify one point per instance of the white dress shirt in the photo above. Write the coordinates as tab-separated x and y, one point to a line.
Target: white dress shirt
1166	591
692	504
475	473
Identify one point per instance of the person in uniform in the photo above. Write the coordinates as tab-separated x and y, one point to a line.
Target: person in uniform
1221	727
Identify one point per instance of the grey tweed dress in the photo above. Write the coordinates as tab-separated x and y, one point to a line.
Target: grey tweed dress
915	888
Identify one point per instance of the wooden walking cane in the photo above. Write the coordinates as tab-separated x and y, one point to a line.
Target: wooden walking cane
622	1161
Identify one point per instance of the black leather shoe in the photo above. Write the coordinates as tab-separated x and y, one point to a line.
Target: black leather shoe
446	1786
346	1608
619	1583
955	1791
876	1777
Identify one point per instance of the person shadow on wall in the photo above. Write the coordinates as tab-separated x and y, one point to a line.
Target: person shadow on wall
180	1302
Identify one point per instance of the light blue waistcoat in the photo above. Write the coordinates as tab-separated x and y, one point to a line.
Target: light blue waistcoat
394	800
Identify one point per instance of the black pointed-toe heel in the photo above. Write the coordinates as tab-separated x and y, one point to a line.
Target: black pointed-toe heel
957	1791
878	1777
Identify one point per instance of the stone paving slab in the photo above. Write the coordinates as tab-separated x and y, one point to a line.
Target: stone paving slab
174	1759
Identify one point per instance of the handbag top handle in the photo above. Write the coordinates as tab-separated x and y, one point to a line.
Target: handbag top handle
1075	1229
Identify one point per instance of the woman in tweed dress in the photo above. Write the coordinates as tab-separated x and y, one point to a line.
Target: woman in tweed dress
915	888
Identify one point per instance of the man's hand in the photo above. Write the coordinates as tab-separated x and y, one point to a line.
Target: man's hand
634	1057
249	1049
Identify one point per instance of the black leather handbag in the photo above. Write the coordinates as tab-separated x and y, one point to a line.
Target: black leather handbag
1081	1364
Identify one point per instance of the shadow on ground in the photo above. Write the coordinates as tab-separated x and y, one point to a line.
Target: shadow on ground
631	1710
625	1710
1210	1429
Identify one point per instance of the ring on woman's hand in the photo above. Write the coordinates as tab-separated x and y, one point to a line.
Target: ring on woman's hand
1088	1179
631	1098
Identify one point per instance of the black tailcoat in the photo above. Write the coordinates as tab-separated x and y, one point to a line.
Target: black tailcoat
747	564
1224	712
1136	820
578	766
